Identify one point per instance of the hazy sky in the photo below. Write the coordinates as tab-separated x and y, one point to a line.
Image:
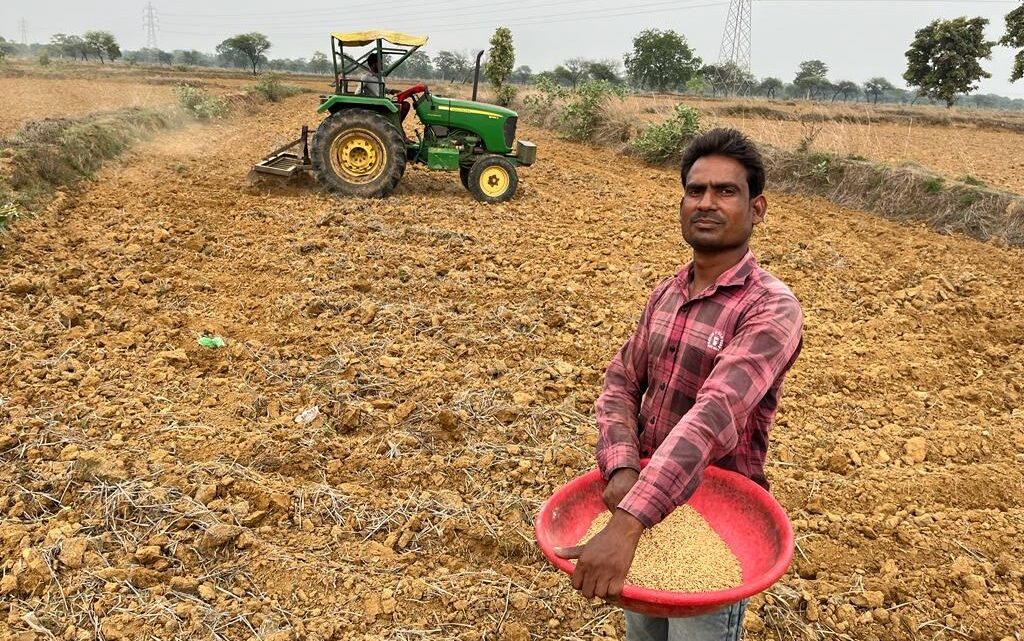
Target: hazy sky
858	39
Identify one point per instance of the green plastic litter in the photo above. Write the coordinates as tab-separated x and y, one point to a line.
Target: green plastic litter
211	342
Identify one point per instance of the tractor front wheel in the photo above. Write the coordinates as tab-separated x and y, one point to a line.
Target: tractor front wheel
464	176
358	152
492	179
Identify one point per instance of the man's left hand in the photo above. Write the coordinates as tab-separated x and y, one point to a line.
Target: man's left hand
604	561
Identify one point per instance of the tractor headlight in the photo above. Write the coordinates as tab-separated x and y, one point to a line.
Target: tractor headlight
510	131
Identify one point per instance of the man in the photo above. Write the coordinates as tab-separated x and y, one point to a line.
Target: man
699	381
371	83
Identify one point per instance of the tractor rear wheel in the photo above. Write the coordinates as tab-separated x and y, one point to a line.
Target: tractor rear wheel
358	152
493	179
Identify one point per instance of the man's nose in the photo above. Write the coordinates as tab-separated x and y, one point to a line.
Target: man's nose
707	201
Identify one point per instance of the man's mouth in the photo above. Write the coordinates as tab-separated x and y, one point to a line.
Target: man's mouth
704	222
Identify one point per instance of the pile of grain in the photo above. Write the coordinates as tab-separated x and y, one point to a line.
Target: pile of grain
680	554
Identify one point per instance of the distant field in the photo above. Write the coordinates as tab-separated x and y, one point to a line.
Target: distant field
968	144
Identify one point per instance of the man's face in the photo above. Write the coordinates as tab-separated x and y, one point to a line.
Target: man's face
716	212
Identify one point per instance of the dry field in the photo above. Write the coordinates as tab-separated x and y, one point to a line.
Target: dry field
955	151
74	90
152	489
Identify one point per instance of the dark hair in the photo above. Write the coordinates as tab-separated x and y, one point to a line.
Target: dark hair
373	59
731	143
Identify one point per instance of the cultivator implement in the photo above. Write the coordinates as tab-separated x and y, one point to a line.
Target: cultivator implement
283	162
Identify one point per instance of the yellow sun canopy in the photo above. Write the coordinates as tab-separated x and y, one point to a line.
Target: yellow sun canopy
362	38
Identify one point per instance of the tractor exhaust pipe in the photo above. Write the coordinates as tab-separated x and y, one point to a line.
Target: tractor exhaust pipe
476	73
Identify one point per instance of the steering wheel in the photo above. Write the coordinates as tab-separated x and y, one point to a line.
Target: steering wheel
411	92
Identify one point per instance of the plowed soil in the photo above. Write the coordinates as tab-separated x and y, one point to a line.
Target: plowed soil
154	489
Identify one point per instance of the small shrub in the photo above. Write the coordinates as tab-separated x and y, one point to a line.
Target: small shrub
579	117
8	212
967	179
201	104
538	105
810	134
933	184
44	60
505	95
270	88
660	142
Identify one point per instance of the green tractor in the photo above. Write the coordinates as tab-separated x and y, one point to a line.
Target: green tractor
361	148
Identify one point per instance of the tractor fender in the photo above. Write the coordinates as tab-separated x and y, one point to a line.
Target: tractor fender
336	103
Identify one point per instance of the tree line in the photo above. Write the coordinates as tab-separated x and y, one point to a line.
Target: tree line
943	64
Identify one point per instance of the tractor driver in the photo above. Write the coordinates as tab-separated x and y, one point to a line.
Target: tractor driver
372	84
699	381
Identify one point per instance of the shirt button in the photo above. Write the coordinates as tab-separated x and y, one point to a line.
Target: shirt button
672	350
662	386
651	421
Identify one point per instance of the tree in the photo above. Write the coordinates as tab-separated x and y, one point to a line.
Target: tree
501	58
452	65
845	88
102	43
574	70
191	58
251	45
876	88
942	61
811	78
1014	37
728	78
660	60
769	87
418	66
606	70
319	63
697	85
69	46
6	48
521	75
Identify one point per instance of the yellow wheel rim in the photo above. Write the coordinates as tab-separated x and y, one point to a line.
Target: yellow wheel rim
358	156
494	181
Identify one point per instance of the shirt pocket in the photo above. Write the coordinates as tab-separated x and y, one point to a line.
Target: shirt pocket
696	363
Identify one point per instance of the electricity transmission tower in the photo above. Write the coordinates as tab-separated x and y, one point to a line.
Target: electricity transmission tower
150	24
24	32
736	37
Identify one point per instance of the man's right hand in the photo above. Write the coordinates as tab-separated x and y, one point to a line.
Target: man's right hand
619	485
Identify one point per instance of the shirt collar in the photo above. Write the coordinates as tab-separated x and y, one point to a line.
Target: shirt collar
735	275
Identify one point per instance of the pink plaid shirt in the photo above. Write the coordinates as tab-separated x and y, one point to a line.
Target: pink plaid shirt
698	384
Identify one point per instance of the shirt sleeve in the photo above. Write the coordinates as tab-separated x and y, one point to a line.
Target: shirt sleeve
760	352
618	407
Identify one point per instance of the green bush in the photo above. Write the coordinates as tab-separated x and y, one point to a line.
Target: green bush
660	142
44	59
505	95
538	105
580	116
8	212
201	104
270	88
971	180
933	184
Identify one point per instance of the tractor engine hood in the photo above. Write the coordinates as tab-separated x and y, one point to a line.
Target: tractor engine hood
454	105
495	125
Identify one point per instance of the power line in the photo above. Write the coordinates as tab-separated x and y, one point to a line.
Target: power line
438	24
151	24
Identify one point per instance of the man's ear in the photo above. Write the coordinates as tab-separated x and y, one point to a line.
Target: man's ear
759	207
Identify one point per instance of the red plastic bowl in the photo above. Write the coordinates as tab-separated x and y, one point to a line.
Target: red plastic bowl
749	520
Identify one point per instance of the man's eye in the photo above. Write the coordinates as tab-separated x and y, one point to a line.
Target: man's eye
727	191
